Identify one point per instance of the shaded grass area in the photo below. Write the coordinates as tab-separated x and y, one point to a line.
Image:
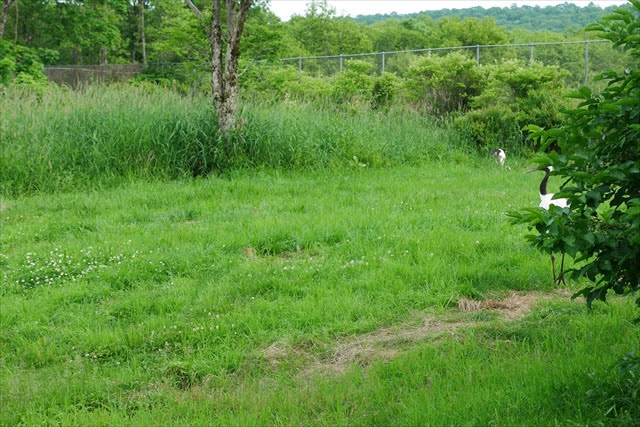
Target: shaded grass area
153	303
105	135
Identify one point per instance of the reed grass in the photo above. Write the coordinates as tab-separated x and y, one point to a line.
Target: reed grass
104	135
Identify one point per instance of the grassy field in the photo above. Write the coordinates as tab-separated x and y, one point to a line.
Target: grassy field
332	296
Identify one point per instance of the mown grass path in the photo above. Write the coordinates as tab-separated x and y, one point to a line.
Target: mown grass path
154	303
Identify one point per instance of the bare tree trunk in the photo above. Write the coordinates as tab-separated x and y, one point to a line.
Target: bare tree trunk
142	37
76	56
103	55
4	14
217	82
226	98
224	77
15	35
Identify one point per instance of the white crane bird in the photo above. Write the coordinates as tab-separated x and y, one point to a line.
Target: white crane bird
546	200
499	155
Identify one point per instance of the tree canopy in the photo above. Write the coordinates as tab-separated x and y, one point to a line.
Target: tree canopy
130	31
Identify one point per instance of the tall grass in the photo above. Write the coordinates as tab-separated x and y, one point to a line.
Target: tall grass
63	139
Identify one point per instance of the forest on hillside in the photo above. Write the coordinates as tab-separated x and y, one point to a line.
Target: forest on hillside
556	18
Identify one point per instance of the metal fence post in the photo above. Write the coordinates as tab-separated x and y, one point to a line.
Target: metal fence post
586	63
300	63
531	53
383	62
340	62
478	54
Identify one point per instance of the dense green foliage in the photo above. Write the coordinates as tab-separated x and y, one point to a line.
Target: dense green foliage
512	95
600	161
111	31
24	66
445	83
556	18
491	102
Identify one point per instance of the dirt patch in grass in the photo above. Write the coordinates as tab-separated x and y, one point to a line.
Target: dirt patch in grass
250	253
390	342
514	305
386	343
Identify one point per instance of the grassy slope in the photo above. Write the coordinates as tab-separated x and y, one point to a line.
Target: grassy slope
163	313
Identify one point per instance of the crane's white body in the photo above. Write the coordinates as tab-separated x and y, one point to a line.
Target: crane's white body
547	200
499	155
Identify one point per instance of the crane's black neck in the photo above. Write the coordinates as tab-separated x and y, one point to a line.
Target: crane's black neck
543	183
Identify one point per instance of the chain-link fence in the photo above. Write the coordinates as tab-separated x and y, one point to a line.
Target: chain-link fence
191	77
76	76
582	59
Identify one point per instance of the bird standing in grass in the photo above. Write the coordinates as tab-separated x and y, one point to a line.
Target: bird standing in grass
499	155
546	200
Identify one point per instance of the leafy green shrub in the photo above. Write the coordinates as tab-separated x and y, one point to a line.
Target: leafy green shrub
277	82
385	89
24	66
514	79
306	87
491	127
514	94
443	84
7	69
601	162
533	91
353	83
270	80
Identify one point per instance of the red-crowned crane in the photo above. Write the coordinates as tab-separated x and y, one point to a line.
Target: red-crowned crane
499	155
546	200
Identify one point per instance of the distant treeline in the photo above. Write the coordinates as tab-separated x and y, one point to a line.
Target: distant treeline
558	18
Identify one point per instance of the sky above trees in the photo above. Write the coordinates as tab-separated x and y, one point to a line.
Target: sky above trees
284	9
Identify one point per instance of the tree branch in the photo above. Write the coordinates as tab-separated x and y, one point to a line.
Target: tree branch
217	80
6	5
252	62
193	8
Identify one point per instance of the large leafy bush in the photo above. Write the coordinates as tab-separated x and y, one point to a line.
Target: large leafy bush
600	159
354	82
513	94
385	89
490	127
443	84
277	82
23	65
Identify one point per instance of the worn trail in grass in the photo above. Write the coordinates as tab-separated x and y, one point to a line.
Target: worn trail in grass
154	303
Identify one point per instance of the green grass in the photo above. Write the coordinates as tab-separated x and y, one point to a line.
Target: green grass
153	303
103	136
134	294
